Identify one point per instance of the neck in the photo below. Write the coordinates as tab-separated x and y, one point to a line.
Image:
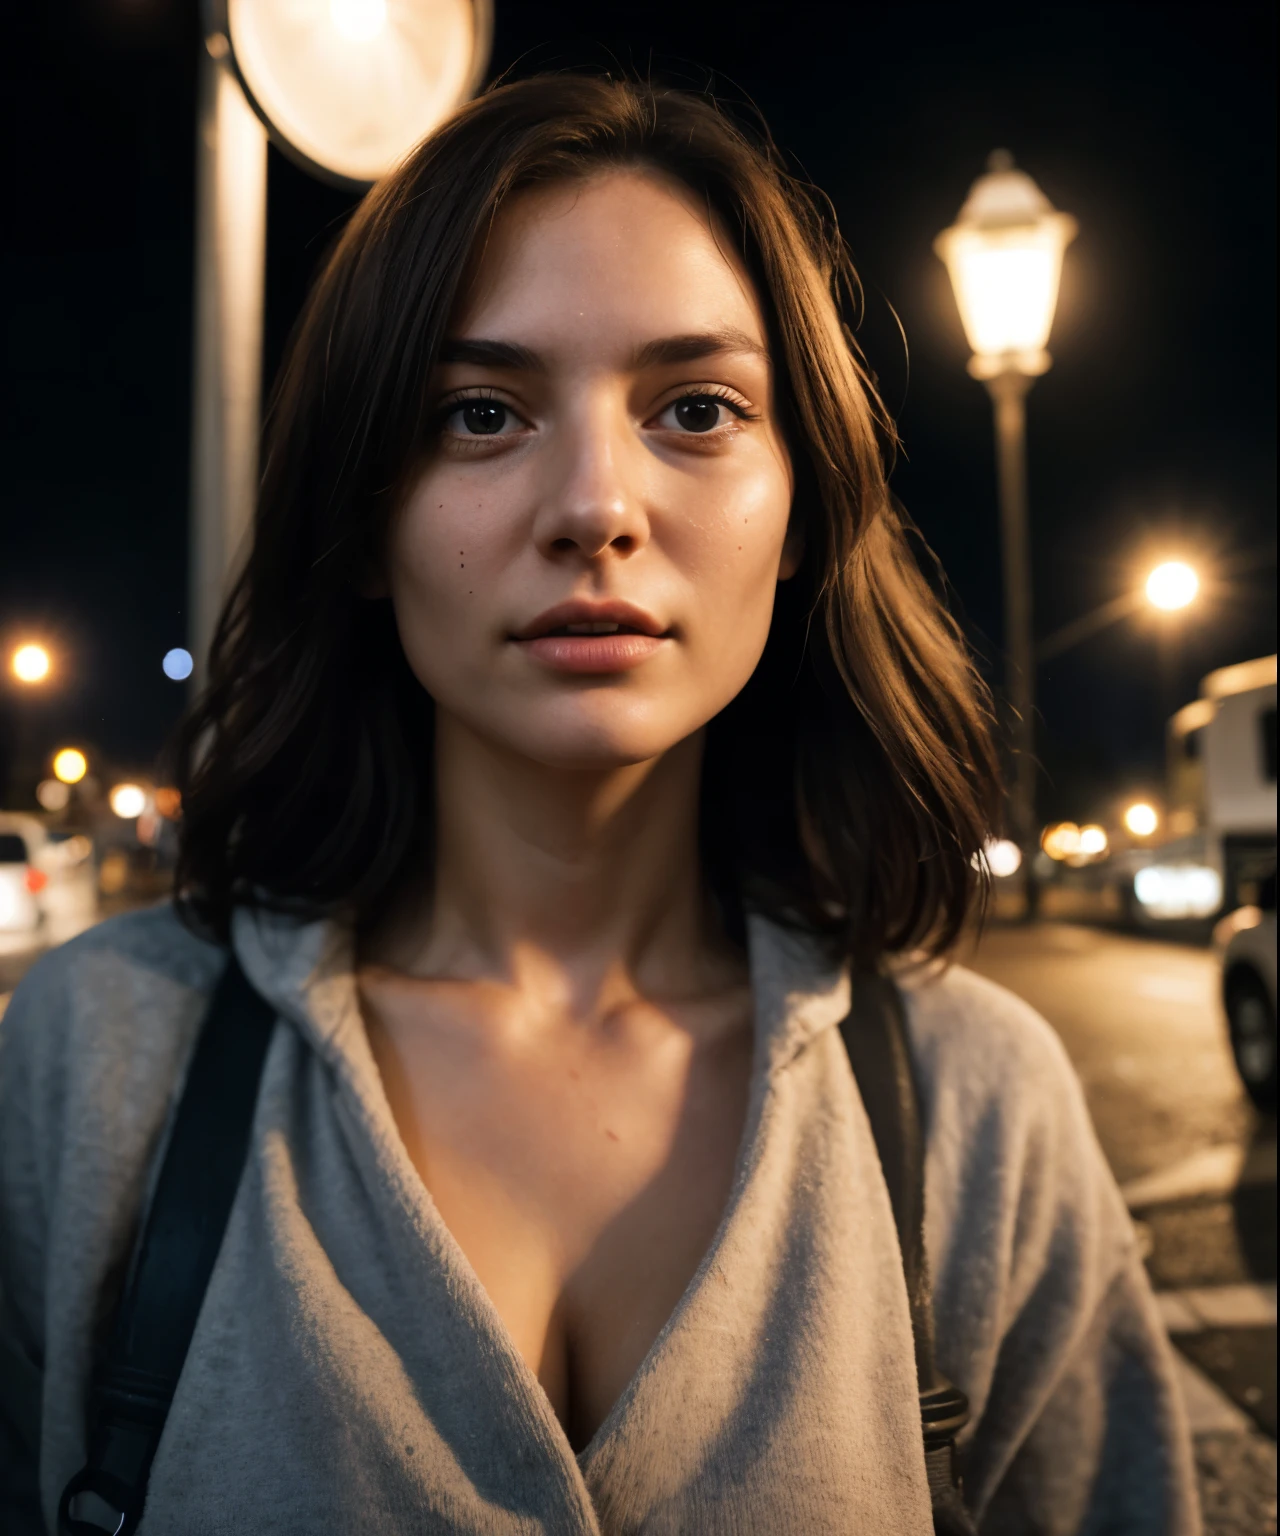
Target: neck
593	874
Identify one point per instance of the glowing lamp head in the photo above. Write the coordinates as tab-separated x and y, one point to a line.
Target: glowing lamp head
70	765
1004	257
359	21
128	801
1172	585
30	664
1141	819
348	87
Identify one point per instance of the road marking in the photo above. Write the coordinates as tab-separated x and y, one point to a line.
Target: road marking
1199	1307
1209	1409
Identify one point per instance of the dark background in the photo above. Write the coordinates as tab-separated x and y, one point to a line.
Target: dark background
1151	437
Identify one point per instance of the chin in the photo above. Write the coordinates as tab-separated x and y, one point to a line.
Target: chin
594	740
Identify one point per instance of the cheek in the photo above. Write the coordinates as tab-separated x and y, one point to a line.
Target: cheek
437	552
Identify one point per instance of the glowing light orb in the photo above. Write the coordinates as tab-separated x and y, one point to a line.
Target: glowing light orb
128	801
30	663
1172	585
177	664
70	765
359	21
1141	819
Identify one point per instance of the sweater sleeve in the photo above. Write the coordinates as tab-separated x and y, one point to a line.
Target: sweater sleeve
1044	1313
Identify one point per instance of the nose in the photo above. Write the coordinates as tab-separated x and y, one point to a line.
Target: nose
592	500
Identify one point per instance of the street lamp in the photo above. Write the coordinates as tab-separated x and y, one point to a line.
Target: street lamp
345	88
1171	586
30	664
1004	257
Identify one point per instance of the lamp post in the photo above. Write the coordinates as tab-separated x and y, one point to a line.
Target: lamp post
1004	257
345	88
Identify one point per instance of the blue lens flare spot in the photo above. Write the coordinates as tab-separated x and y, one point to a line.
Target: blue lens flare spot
177	664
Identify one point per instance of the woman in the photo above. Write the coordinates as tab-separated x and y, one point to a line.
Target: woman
579	721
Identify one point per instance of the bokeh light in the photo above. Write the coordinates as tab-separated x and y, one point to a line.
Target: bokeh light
1093	841
128	801
1141	819
30	663
70	765
1003	857
177	664
53	794
1172	585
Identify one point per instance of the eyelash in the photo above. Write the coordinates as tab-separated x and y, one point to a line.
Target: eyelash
719	392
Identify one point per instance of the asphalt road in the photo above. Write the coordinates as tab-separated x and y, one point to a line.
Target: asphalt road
1141	1021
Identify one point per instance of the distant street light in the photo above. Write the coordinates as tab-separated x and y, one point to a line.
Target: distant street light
1141	819
1004	256
70	765
30	664
345	90
127	801
1172	585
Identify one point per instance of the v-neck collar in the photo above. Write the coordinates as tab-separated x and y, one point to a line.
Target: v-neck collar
307	972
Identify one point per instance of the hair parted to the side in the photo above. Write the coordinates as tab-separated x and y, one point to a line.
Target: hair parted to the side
849	787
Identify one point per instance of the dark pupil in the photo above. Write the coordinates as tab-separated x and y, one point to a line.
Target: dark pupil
697	414
484	416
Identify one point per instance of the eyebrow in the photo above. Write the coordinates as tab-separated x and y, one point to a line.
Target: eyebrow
484	353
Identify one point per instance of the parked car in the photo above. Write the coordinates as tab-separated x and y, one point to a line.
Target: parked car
1247	941
48	883
21	878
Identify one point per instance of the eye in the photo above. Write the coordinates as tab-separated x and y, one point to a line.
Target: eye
700	413
480	418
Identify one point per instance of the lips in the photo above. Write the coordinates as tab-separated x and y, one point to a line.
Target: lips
579	617
594	638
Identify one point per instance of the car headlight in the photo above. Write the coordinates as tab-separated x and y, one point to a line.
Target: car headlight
1178	890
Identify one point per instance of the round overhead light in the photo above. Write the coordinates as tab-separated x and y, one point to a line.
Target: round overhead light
348	87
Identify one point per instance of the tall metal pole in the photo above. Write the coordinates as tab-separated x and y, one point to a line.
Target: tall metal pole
1009	396
231	244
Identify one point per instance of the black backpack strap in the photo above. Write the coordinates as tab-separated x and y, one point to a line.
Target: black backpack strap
875	1036
172	1263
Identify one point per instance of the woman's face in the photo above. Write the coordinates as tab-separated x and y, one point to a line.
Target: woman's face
584	570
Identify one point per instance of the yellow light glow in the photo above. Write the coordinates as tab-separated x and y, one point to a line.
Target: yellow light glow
1004	257
70	765
1141	819
1006	284
1172	585
30	663
1093	841
353	85
128	801
359	21
1061	840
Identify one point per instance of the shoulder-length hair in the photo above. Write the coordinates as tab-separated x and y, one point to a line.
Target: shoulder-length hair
848	789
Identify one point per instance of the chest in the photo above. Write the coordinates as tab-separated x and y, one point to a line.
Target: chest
583	1172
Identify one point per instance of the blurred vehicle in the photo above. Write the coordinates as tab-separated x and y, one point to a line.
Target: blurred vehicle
20	880
48	883
1220	827
1246	939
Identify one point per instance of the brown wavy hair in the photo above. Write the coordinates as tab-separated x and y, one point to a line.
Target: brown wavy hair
848	788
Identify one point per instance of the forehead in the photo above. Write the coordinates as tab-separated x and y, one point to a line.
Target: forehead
623	256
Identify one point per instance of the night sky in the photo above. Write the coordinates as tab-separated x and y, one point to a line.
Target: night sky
1152	435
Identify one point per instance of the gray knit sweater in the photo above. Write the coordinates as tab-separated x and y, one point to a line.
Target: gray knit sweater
348	1372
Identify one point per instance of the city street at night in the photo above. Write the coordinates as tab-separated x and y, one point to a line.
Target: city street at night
1142	1022
550	490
